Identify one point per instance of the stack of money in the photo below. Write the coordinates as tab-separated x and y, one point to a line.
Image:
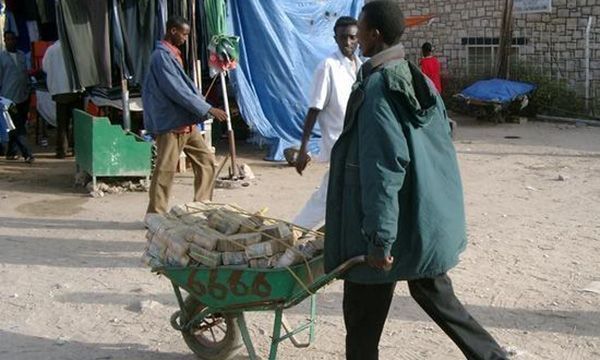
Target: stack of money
213	235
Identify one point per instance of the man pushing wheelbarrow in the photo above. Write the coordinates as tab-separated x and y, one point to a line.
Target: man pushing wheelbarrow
395	194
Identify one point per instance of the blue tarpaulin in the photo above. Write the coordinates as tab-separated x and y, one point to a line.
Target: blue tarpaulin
282	41
497	90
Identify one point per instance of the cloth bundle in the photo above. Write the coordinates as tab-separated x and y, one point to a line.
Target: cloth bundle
6	123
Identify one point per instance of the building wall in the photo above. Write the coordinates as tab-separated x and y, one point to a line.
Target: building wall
554	42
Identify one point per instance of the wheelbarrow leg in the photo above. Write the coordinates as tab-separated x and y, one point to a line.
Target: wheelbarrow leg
276	333
241	320
313	315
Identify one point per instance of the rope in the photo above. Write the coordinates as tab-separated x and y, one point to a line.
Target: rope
272	221
211	86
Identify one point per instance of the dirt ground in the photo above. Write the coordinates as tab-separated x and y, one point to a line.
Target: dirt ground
71	282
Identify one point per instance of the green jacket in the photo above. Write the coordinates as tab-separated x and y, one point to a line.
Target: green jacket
394	185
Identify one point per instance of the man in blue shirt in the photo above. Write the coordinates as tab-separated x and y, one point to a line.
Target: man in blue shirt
172	107
14	85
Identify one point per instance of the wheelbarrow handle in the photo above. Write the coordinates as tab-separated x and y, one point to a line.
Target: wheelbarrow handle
341	269
348	264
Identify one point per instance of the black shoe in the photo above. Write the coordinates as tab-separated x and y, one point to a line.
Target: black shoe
60	156
29	159
12	157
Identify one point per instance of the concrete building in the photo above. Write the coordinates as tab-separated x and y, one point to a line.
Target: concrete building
465	37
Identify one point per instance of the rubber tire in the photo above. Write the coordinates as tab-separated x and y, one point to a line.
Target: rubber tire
227	349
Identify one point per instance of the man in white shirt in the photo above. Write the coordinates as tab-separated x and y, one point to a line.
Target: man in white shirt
65	97
331	88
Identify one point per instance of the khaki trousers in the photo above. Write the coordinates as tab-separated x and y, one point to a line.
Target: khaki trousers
169	147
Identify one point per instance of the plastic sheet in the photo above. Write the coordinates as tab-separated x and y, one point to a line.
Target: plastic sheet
282	41
496	90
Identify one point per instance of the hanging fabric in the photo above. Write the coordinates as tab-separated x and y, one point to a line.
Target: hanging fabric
2	22
161	18
139	18
84	26
223	48
282	41
202	35
121	58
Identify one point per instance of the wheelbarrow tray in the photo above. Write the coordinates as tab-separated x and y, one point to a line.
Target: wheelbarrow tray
231	288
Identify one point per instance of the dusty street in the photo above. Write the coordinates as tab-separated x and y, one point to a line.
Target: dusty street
71	282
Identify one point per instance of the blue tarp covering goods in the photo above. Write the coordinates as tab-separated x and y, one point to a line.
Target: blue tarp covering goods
497	90
282	41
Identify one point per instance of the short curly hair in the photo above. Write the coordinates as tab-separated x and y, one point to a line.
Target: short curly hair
343	22
387	17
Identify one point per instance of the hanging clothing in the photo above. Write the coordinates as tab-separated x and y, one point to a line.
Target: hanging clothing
138	27
202	35
47	25
2	23
29	9
161	18
11	5
33	31
43	11
83	29
178	8
120	54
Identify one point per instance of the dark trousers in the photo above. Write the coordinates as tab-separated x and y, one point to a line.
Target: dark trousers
17	138
65	104
366	308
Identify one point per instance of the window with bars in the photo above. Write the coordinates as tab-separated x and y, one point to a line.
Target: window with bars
481	54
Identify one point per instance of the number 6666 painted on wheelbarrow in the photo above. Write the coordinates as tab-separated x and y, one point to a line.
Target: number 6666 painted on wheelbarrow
211	318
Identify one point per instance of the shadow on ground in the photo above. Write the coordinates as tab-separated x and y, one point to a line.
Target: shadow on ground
581	323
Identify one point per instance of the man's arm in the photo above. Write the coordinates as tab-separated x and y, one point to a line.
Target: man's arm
309	124
318	100
383	157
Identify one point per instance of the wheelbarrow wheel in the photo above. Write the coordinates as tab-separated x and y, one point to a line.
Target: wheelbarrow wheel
216	337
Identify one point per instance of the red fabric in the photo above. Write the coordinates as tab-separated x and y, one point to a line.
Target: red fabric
431	67
177	54
411	21
38	49
174	51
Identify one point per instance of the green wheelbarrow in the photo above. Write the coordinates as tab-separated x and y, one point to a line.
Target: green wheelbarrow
211	317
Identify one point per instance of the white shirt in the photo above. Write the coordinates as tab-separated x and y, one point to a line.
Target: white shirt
13	56
54	66
331	88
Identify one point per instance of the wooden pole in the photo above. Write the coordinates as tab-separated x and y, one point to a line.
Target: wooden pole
125	96
505	43
230	134
588	29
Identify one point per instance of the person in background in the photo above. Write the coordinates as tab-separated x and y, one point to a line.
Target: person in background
430	66
395	195
172	108
14	85
331	87
66	98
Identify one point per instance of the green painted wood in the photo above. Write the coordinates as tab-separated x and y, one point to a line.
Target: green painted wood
103	149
